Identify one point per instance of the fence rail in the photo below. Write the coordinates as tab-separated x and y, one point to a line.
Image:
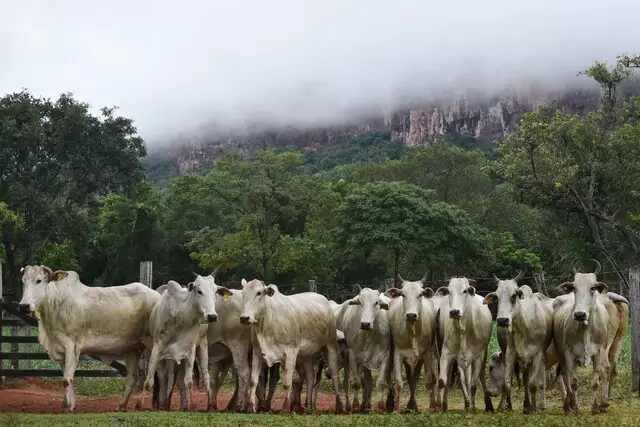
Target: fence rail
11	317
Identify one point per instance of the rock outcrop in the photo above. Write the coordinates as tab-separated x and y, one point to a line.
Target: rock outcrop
486	119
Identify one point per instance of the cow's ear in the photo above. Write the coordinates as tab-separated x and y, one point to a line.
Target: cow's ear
224	292
393	293
383	305
59	275
566	287
427	292
442	291
354	301
243	282
519	294
190	286
471	290
270	290
490	298
601	287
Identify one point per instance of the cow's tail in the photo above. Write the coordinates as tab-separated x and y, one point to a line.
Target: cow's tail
196	374
156	392
558	373
319	373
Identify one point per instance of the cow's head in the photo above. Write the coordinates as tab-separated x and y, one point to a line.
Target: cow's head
35	285
505	296
585	287
254	294
204	291
370	302
459	290
411	293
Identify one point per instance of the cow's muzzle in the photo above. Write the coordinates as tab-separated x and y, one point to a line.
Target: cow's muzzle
454	314
502	322
411	317
365	326
579	316
212	318
244	320
24	308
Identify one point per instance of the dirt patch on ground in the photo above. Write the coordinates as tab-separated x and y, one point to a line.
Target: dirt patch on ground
34	395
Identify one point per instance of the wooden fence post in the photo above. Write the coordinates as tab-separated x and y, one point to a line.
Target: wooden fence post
146	273
312	286
634	300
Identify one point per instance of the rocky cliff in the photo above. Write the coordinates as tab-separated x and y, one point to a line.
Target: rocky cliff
486	119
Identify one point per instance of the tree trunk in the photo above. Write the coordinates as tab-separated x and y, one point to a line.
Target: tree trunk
634	301
540	284
396	262
12	273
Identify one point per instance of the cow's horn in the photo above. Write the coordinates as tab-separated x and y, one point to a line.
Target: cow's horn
573	266
598	267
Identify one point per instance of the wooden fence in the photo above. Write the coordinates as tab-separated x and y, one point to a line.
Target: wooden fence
13	318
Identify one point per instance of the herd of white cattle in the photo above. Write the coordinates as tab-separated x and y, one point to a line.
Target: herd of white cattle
258	329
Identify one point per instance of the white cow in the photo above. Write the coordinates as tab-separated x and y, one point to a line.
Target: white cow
465	330
178	322
586	326
74	319
230	344
528	322
365	323
285	328
412	319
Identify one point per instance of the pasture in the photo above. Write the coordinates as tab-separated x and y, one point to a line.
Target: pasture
37	402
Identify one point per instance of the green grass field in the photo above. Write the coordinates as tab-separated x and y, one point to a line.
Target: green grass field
624	409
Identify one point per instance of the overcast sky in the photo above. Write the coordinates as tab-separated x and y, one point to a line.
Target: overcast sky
173	66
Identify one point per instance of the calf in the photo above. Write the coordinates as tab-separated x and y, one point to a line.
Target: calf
412	320
465	335
75	319
285	328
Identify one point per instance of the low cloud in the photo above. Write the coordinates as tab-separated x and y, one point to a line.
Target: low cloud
185	68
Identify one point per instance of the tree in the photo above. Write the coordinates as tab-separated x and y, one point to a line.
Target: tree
585	166
268	198
458	176
56	158
128	230
404	221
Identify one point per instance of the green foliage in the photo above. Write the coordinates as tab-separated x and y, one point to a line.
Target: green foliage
56	158
60	256
370	147
403	222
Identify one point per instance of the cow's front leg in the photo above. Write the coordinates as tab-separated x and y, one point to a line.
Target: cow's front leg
151	370
131	361
202	353
288	367
68	371
256	368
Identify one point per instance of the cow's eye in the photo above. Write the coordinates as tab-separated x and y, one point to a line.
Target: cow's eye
258	293
375	303
38	281
464	292
200	292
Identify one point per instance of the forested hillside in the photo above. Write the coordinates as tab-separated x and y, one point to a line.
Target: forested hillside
561	186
